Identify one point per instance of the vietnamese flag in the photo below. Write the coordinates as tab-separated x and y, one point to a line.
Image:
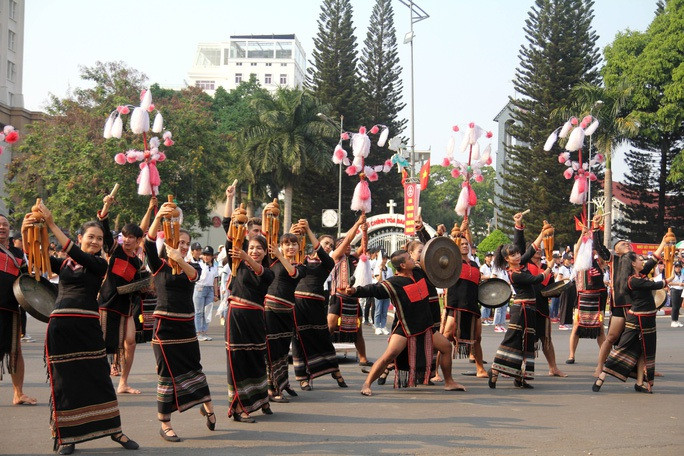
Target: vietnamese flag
424	175
404	176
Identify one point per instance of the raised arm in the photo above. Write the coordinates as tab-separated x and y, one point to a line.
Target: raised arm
145	222
339	251
230	200
275	251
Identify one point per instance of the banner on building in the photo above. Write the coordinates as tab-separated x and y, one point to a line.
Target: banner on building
411	204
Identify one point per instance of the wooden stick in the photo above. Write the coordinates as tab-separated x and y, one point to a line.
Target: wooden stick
526	211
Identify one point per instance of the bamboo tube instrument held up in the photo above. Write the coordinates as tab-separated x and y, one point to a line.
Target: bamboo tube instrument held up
171	227
237	232
36	243
669	252
270	224
548	237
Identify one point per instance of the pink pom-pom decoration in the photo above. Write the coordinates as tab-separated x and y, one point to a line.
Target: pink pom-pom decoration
479	178
131	158
123	109
574	121
12	137
388	163
472	197
446	162
455	128
561	158
587	120
374	130
489	134
600	158
567	173
142	165
351	170
162	157
455	173
592	177
168	142
344	136
471	125
489	161
7	129
362	130
372	176
584	124
120	158
167	135
150	108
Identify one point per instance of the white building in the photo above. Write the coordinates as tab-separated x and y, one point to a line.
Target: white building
275	60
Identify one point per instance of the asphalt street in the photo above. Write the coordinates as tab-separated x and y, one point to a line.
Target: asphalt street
560	416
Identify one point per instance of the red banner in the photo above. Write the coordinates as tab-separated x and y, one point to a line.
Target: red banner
641	248
411	203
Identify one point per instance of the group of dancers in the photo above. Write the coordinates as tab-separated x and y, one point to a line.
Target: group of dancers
277	300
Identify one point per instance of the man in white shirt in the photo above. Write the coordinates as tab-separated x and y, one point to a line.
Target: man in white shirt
485	274
206	292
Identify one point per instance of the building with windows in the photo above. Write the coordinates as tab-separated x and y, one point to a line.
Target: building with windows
12	110
275	61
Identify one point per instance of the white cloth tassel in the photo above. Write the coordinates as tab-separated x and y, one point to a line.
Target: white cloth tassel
117	127
565	129
575	140
476	151
591	128
107	133
383	137
450	147
577	197
361	145
158	123
464	143
144	182
137	121
462	203
551	140
146	100
363	274
585	256
487	153
361	200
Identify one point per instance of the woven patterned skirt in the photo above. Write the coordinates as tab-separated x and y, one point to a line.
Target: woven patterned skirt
181	384
588	314
113	326
83	402
464	331
313	354
246	351
10	335
638	337
515	355
279	331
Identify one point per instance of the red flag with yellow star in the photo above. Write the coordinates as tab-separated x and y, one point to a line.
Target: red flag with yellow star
424	175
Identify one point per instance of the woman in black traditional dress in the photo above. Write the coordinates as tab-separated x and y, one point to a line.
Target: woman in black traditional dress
313	354
637	345
246	331
515	355
82	399
279	305
181	382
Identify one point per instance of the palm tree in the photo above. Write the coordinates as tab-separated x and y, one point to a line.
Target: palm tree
287	140
615	128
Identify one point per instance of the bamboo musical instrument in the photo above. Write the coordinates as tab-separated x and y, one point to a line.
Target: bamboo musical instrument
300	232
237	232
171	227
270	224
548	237
36	243
669	252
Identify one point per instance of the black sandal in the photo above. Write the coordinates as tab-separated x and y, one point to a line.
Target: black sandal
522	384
305	385
383	377
340	380
266	410
642	389
491	378
204	412
596	387
165	434
127	444
243	417
67	449
291	392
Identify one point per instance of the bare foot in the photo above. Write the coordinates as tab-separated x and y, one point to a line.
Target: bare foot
657	374
436	379
114	371
482	374
125	389
366	391
24	400
453	386
559	373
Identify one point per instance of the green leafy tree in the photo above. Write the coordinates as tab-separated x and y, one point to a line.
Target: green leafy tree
66	161
287	140
491	243
652	62
560	53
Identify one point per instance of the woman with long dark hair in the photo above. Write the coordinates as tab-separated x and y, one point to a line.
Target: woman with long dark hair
515	355
637	345
74	347
181	383
246	331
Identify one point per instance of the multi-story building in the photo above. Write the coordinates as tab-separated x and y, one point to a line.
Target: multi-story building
12	110
275	61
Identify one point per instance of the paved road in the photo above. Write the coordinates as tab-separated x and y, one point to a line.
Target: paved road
558	417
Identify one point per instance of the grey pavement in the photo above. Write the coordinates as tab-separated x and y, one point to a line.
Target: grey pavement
561	416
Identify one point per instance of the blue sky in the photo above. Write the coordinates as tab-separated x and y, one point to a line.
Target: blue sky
465	54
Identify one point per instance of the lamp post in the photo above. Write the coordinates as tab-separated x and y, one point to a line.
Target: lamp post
339	184
417	15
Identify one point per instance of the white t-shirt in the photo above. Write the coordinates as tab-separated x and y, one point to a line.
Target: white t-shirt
209	273
384	275
486	270
564	272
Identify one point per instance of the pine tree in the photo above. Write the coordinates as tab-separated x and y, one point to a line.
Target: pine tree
560	53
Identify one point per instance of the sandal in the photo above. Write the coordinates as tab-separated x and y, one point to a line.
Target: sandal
492	378
383	377
596	387
266	410
67	449
243	417
340	380
280	399
305	385
522	384
127	444
291	392
642	389
168	437
211	425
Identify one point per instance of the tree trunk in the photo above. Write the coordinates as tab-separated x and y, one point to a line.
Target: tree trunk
249	207
608	205
287	213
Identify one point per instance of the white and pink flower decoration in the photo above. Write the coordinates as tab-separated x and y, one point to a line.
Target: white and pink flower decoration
9	135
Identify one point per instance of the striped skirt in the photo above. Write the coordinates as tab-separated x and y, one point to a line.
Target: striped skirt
638	337
113	326
515	355
181	384
279	331
464	331
588	314
313	354
83	403
10	335
246	351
